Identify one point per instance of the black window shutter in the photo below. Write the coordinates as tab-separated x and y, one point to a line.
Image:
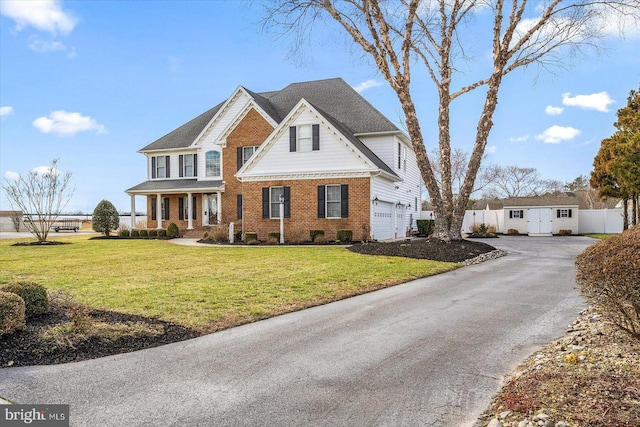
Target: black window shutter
292	138
399	155
265	202
180	165
239	205
181	208
287	202
239	157
521	214
321	191
193	206
569	213
510	214
195	167
166	208
168	164
558	213
153	167
344	201
154	216
316	137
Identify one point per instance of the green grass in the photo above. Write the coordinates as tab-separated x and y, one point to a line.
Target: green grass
600	235
206	288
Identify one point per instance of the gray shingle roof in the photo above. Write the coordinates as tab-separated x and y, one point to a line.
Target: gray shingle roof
174	184
333	96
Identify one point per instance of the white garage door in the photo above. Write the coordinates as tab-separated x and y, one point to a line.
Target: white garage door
382	221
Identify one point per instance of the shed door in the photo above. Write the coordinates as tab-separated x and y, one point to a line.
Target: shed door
383	221
539	221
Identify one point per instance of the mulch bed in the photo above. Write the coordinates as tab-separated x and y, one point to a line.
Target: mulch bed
26	347
433	249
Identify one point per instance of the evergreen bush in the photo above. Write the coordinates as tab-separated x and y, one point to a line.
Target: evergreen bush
344	236
425	227
316	235
144	233
172	230
105	218
36	300
12	313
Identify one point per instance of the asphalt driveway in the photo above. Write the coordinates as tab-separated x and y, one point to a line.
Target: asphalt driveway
430	352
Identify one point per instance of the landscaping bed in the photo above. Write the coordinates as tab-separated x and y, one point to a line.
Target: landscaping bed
432	249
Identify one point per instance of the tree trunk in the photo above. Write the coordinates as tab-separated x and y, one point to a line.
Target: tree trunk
625	213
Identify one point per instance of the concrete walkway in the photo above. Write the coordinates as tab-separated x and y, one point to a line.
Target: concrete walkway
431	352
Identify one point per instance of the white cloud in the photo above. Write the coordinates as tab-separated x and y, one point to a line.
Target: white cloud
553	111
44	15
6	111
596	101
43	46
65	123
491	149
366	85
12	175
522	138
556	134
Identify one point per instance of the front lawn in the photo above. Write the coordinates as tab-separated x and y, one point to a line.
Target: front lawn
204	288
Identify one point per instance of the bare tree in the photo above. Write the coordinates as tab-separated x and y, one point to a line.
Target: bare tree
41	196
395	34
516	181
459	162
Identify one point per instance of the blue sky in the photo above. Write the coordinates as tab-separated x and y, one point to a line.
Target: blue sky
91	82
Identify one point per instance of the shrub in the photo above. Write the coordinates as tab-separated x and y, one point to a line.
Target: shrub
344	236
124	233
273	237
316	235
144	233
608	274
205	235
237	235
135	233
296	234
492	229
12	313
153	233
219	233
105	218
512	231
36	300
162	232
425	226
172	230
565	232
250	237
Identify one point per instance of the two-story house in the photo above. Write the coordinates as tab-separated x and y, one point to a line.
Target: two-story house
317	150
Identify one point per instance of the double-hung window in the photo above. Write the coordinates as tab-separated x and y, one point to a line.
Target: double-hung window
563	213
160	167
304	138
212	163
245	153
271	202
188	165
333	201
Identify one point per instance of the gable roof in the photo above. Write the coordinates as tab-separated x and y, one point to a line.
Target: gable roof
334	97
548	199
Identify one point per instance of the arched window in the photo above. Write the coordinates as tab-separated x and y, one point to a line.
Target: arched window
212	159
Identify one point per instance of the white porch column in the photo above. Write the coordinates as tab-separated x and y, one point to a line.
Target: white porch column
159	210
189	211
133	211
219	213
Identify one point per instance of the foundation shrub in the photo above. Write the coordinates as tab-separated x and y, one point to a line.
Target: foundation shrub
425	227
250	237
153	233
135	233
124	233
12	313
344	236
172	230
316	236
162	232
219	233
273	237
512	231
565	232
608	274
237	235
36	300
296	234
144	233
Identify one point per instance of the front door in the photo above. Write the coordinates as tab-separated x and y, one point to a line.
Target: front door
210	209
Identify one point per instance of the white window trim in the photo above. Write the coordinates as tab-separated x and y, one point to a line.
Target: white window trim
272	203
163	167
184	166
206	168
308	147
326	201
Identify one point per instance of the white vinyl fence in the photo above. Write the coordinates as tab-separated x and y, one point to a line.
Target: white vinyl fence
589	220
